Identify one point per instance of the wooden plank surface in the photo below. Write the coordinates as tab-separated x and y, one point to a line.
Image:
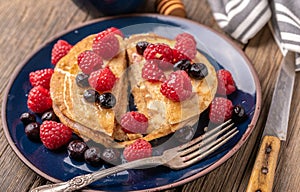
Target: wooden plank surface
26	25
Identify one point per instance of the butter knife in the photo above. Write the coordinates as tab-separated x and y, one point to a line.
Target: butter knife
263	172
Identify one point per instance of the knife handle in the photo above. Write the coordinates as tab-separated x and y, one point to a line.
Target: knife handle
263	172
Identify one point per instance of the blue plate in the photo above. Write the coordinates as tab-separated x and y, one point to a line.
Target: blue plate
56	166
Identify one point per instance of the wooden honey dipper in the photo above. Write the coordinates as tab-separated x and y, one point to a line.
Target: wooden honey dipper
170	7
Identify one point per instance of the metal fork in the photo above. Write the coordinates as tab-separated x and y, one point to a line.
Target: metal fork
175	158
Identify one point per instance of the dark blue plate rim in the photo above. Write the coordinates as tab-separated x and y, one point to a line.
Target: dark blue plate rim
176	20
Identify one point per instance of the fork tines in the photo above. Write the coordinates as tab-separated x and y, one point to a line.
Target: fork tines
207	143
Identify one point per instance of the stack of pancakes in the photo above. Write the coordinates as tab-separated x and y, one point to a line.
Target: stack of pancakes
90	121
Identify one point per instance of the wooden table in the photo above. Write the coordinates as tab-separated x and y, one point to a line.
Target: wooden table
25	25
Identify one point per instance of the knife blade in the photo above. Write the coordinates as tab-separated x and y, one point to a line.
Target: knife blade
263	172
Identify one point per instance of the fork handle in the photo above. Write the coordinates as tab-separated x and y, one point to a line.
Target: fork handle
263	172
81	181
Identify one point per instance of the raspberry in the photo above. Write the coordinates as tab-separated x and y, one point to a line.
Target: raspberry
152	72
220	110
179	56
186	44
177	87
134	122
137	150
115	31
102	80
161	52
226	83
182	36
39	99
106	45
41	77
187	50
89	61
60	49
54	135
111	30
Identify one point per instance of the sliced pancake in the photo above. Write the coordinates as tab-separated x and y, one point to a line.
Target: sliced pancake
89	120
92	122
167	116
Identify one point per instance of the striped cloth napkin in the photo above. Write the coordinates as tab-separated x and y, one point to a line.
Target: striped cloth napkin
242	19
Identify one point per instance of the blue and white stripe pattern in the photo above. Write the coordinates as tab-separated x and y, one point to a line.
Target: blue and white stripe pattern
286	20
242	19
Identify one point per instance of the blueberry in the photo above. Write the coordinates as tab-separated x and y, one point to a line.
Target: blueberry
27	118
141	46
238	114
184	64
49	116
185	134
91	95
32	131
198	71
93	156
107	100
111	156
82	80
76	149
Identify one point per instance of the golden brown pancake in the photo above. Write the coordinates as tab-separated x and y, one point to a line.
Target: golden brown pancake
87	119
166	116
90	121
